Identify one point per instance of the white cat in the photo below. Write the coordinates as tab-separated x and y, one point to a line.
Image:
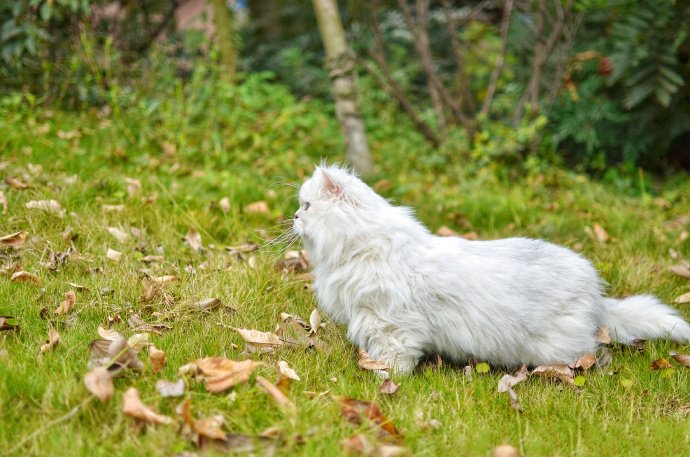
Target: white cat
404	292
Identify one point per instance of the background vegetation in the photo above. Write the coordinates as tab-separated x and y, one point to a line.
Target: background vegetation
580	137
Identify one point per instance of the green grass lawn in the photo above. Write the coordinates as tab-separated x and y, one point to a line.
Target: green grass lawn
82	162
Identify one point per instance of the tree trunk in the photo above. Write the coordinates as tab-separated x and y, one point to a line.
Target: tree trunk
340	64
222	16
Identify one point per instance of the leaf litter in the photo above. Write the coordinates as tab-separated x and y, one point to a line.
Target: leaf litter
219	373
135	408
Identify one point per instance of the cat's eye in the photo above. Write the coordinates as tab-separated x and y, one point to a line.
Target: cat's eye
306	205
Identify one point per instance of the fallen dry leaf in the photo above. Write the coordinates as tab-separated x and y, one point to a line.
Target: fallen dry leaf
220	373
506	384
113	208
285	370
53	340
294	261
3	202
681	358
261	341
68	234
133	186
99	381
49	206
15	183
353	411
685	298
556	371
601	235
446	231
207	304
25	276
284	403
602	335
585	362
133	407
315	321
390	450
260	207
157	358
224	204
14	240
165	279
680	270
388	387
119	235
357	444
153	258
8	323
505	450
367	363
170	389
113	255
193	238
661	364
67	304
206	428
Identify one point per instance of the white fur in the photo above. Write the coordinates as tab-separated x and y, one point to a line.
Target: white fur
404	292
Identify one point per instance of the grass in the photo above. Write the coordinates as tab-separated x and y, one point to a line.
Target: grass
624	409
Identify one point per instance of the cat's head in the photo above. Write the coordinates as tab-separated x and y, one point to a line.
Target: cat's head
334	204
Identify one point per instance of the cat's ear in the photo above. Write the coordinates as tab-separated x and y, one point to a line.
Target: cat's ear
330	185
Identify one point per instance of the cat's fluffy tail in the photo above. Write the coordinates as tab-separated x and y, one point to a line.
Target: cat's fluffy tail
644	317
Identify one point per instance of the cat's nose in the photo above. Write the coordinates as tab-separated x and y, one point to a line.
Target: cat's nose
296	215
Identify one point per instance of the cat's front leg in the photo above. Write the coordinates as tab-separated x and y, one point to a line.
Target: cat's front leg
398	349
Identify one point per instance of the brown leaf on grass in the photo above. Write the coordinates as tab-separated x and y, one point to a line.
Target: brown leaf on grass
367	363
49	206
602	335
388	387
69	234
597	233
260	341
112	254
25	276
357	444
169	388
224	204
3	202
259	207
285	370
119	235
67	304
685	298
151	289
202	428
14	240
556	371
99	381
585	362
207	304
292	332
157	358
115	352
133	186
284	403
661	364
506	384
505	450
153	258
354	410
680	270
683	359
193	238
8	323
220	373
113	208
315	321
134	407
285	317
446	231
15	183
53	340
293	261
165	279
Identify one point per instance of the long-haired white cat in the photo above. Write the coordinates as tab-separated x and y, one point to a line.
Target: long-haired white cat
404	292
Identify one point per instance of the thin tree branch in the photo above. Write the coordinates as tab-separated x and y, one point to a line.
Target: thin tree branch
498	67
421	44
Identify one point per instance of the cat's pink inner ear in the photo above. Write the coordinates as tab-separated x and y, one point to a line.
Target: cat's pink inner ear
329	184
